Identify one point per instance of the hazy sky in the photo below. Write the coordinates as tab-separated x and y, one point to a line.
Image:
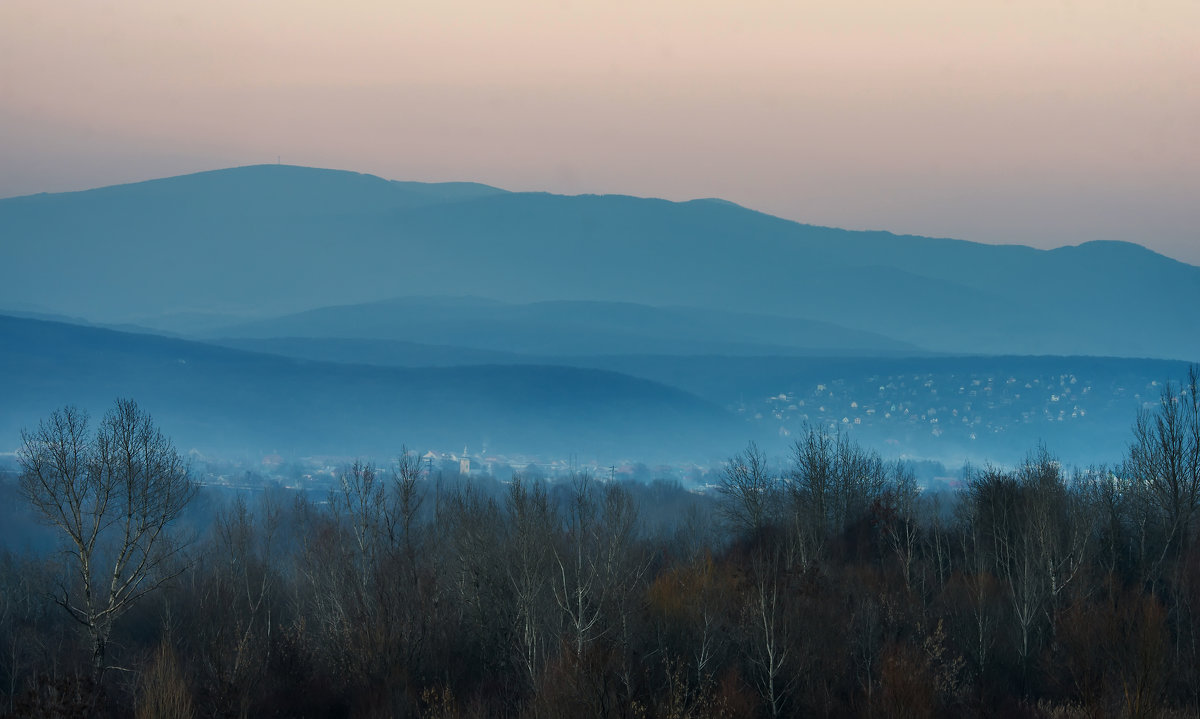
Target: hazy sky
1031	121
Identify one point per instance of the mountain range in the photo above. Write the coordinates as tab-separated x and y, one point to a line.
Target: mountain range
356	397
218	249
568	328
307	311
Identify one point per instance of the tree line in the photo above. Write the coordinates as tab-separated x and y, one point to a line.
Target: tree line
828	585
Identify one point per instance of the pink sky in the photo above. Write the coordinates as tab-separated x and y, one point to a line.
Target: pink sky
1030	121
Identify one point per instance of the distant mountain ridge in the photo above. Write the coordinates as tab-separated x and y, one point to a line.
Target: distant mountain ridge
568	328
241	403
279	239
651	407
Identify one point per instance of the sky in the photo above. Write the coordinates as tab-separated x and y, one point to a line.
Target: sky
1039	122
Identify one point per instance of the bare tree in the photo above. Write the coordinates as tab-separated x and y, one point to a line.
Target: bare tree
1035	527
20	610
113	496
902	531
980	615
531	525
358	502
810	485
407	498
238	602
580	590
768	631
1164	458
1059	519
747	490
831	483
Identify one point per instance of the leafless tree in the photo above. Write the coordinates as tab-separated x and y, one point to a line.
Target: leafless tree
1164	459
113	496
622	566
471	524
237	599
902	531
747	490
579	589
600	571
810	489
407	498
1058	519
980	617
768	631
20	609
831	483
359	503
531	524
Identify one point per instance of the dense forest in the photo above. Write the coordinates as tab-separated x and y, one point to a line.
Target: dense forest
830	585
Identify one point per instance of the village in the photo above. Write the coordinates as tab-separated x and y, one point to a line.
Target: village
943	415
